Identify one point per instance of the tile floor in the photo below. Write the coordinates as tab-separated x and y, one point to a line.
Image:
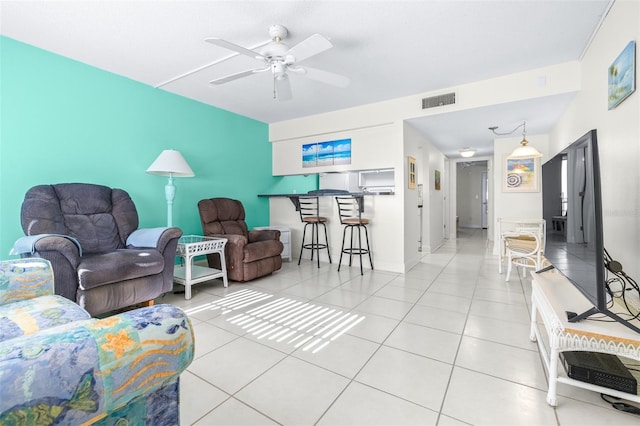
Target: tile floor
444	344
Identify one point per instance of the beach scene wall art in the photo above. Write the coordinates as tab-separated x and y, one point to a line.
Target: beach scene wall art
622	75
521	175
329	153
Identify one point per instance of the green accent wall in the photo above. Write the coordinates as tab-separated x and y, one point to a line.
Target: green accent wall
65	121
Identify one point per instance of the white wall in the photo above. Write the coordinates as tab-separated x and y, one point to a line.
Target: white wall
618	134
373	147
413	142
521	204
524	205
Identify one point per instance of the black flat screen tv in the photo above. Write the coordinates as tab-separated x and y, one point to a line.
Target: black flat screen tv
572	208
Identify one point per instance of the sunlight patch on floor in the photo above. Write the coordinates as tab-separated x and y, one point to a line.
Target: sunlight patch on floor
305	325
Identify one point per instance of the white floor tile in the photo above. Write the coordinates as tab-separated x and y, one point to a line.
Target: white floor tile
445	301
440	319
343	298
491	358
412	377
293	392
480	399
346	355
362	405
197	398
403	294
385	307
501	311
236	364
500	331
234	412
209	338
374	327
425	341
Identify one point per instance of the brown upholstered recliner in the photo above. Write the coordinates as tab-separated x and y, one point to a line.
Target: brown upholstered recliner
249	254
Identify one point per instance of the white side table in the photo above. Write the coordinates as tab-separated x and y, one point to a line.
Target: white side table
552	296
285	239
190	246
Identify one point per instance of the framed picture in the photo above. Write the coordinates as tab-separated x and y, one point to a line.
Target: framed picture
330	153
412	173
437	180
521	175
622	75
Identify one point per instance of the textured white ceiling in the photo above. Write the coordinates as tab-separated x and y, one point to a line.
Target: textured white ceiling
388	49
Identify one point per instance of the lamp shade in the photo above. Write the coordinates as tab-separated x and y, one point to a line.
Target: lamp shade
170	163
525	151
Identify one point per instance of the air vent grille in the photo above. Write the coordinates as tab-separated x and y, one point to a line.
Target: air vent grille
439	100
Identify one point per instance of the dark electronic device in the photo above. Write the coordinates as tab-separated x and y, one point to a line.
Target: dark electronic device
599	369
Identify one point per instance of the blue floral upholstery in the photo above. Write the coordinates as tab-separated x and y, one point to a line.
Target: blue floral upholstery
60	366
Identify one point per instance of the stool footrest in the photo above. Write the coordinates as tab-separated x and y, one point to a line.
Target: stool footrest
314	246
355	251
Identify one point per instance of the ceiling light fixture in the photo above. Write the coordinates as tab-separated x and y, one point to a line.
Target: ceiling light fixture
524	150
467	152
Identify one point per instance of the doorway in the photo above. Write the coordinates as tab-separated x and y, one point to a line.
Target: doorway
472	194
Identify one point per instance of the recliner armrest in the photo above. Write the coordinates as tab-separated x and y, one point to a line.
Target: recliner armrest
156	238
62	245
264	235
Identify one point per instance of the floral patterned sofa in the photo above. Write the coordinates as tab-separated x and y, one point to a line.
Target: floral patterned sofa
60	366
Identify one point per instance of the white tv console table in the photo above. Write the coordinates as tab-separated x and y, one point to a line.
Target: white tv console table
553	295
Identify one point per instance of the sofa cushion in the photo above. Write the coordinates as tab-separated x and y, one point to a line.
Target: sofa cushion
116	266
33	315
262	250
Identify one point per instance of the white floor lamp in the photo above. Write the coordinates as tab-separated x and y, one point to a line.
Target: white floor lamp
170	163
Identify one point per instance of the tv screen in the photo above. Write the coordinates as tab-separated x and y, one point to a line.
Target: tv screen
572	208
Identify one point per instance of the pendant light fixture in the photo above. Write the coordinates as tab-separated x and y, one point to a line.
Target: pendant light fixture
524	150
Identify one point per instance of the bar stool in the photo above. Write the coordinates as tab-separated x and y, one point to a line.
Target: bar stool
309	208
350	211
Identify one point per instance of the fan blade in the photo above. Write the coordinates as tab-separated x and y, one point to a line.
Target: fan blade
231	77
283	87
239	49
327	77
309	47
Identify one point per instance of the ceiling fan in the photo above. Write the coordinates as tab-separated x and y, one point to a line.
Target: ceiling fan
278	58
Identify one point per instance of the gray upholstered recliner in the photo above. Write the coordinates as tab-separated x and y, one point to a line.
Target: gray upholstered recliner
249	254
89	234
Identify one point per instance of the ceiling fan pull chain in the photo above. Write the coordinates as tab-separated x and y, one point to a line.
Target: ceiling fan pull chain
274	86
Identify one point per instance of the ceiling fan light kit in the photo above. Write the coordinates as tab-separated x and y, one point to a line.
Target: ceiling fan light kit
280	59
